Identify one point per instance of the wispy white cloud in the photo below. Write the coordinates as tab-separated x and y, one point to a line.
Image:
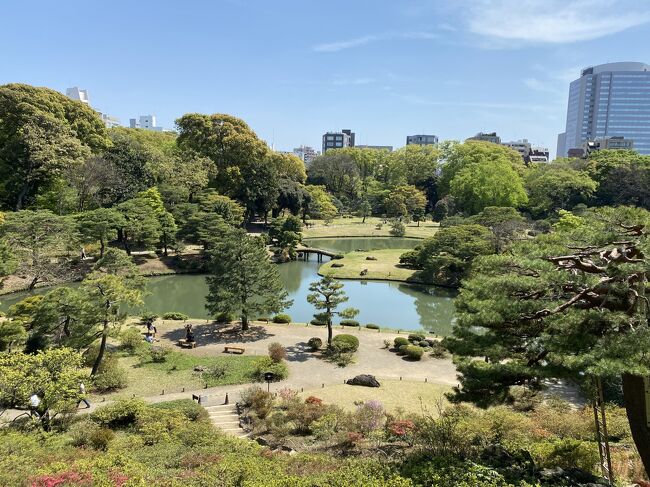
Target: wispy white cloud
361	41
339	81
419	100
545	86
551	21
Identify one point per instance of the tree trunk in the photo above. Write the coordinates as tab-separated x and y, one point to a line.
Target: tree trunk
102	246
32	284
364	219
102	348
635	406
329	332
244	322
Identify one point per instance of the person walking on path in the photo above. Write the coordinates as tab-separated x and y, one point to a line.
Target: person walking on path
82	395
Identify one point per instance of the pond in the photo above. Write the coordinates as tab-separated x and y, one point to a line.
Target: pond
388	304
350	244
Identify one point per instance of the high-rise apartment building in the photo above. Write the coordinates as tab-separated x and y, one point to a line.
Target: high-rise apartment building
487	137
78	94
338	140
528	152
75	93
147	122
421	139
306	153
608	100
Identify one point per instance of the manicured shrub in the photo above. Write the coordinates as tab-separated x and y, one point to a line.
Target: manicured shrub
414	352
397	229
282	318
258	400
372	326
314	400
423	344
131	339
565	453
438	350
160	354
224	317
148	318
523	398
316	322
315	343
120	414
345	343
401	350
410	258
399	341
174	315
266	364
416	337
110	376
190	409
349	323
277	352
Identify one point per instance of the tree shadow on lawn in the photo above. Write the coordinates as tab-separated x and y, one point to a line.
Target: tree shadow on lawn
213	333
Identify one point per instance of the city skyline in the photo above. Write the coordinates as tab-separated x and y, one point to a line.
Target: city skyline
294	72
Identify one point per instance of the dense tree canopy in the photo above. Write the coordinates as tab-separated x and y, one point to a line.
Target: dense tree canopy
567	303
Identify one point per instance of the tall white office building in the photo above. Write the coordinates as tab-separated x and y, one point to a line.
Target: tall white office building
609	100
147	122
78	94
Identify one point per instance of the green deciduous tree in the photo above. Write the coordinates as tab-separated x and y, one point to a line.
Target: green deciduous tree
566	304
320	204
405	201
487	183
53	374
326	295
42	133
552	187
446	257
505	223
141	224
242	279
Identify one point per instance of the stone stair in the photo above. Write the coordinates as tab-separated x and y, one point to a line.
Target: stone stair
225	417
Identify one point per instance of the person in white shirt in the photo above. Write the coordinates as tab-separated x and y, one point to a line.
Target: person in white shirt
82	395
34	403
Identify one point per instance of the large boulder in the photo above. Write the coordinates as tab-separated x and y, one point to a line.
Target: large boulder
365	380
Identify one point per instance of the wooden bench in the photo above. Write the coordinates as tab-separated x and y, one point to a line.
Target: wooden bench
237	350
185	344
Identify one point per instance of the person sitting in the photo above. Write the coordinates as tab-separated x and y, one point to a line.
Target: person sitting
189	336
148	338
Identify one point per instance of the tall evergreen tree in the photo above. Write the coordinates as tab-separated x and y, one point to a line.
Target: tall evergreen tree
242	279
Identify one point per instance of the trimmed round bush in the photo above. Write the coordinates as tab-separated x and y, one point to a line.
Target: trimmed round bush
318	322
438	350
110	376
224	318
277	352
315	343
266	364
372	326
349	323
345	343
399	341
174	315
416	337
424	344
401	350
282	318
414	352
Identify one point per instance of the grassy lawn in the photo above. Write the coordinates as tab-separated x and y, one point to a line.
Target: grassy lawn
393	394
385	267
177	372
352	227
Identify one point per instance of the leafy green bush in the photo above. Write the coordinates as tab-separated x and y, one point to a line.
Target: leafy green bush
345	343
120	414
423	344
397	229
372	326
451	472
565	453
317	322
399	341
88	433
174	315
90	354
523	398
277	352
282	318
110	376
131	339
266	364
401	350
349	323
224	317
258	400
416	337
414	352
159	354
315	343
438	350
189	408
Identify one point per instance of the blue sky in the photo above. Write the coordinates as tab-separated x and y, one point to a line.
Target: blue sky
294	69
